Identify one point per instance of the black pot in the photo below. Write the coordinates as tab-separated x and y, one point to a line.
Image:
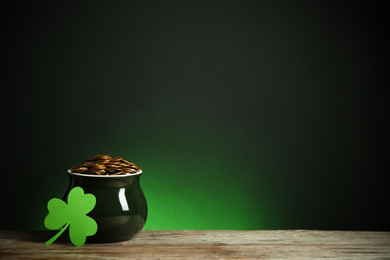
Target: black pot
121	208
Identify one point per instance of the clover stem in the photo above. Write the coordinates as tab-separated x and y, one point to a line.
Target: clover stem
51	240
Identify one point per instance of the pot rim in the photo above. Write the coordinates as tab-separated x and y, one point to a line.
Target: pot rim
105	176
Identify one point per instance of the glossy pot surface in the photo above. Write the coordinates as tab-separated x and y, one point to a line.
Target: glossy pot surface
121	208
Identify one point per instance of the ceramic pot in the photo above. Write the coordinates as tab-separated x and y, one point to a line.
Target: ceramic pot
120	210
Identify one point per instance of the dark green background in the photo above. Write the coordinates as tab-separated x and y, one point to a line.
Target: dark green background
242	114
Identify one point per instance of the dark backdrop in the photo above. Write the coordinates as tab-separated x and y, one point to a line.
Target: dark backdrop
242	114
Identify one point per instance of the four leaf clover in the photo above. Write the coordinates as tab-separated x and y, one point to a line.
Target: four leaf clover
72	214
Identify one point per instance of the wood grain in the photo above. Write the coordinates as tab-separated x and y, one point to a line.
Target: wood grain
205	244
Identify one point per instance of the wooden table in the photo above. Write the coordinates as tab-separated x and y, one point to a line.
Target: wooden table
203	244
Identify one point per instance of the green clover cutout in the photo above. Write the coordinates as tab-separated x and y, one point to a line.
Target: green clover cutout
74	215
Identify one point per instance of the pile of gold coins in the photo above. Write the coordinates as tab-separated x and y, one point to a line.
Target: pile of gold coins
104	164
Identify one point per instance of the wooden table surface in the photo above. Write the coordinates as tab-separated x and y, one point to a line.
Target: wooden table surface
205	244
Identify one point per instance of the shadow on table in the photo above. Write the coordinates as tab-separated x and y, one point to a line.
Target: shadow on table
39	236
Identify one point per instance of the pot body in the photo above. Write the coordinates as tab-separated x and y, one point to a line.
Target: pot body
121	208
